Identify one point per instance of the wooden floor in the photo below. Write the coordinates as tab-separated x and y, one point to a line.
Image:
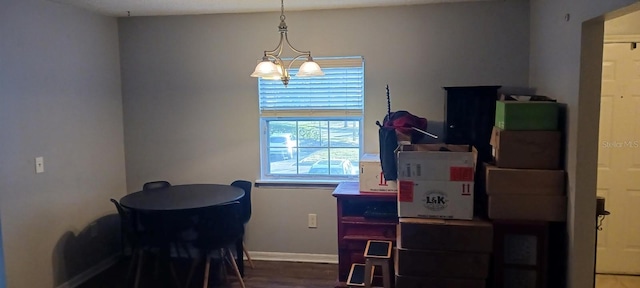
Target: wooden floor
265	274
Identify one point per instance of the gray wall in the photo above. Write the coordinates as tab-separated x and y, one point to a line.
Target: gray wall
59	98
566	62
191	109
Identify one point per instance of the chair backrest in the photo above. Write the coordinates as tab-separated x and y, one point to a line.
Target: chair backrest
219	226
127	224
155	185
245	201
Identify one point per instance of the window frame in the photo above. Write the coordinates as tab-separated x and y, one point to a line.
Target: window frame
357	115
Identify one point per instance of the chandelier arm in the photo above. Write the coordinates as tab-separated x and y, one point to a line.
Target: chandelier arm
294	60
278	50
286	38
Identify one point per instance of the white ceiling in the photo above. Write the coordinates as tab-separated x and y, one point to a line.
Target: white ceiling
191	7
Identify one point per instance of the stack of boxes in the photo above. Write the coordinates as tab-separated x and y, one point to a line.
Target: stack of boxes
443	253
526	190
526	182
439	243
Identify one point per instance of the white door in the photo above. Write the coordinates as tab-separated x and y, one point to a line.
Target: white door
619	161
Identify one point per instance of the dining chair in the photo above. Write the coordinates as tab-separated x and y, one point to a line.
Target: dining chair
179	226
155	185
218	228
136	239
245	203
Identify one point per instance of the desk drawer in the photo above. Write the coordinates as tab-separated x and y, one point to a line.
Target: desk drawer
369	232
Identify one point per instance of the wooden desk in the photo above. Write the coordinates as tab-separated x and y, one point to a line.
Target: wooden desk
354	229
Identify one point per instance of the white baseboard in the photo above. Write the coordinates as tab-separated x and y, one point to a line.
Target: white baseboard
293	257
91	272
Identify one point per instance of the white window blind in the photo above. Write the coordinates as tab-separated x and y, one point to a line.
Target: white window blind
339	92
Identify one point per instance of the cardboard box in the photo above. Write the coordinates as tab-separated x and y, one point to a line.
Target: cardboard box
431	282
528	207
433	183
445	235
435	199
445	264
527	115
371	177
523	181
429	162
526	149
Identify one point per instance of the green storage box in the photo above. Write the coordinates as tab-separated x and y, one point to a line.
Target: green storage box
526	115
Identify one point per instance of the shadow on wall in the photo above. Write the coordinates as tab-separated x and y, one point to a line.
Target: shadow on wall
75	254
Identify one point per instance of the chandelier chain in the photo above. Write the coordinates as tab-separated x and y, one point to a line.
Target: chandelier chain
282	17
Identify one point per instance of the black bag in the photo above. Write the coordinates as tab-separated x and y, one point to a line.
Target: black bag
394	124
388	145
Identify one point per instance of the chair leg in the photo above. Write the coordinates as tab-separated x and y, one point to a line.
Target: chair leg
223	266
140	263
132	264
194	263
244	248
235	267
174	274
207	265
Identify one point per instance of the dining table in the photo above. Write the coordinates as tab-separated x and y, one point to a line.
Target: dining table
183	199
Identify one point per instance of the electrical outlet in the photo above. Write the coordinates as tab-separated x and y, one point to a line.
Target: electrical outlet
39	164
313	221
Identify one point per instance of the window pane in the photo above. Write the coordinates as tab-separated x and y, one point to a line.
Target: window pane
315	148
344	133
313	133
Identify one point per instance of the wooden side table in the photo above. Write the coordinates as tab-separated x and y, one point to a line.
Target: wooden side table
362	216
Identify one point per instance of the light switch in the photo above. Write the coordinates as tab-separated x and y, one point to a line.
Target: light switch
39	164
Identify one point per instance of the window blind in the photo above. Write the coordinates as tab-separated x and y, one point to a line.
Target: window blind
339	92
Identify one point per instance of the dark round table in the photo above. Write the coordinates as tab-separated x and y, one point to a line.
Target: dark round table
182	197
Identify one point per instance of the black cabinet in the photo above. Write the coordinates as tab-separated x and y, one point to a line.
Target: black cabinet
470	116
469	119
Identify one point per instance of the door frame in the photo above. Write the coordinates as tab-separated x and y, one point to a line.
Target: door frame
612	39
590	83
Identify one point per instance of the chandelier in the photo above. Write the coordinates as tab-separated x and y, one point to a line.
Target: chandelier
273	68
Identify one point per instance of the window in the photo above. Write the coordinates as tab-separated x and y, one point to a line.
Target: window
311	129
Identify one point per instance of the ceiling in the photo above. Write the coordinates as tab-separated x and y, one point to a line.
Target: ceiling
191	7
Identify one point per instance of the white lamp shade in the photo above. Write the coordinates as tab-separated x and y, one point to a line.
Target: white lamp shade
267	70
308	69
277	76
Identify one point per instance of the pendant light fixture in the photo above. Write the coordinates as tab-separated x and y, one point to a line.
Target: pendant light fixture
273	68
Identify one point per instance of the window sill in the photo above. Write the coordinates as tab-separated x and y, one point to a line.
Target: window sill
293	183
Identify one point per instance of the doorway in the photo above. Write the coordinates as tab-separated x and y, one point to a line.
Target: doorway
618	247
